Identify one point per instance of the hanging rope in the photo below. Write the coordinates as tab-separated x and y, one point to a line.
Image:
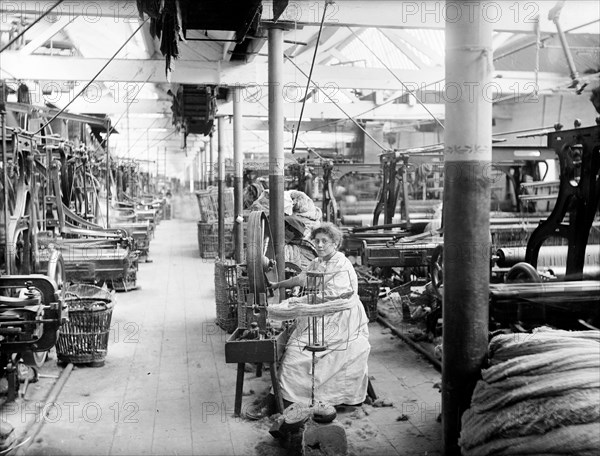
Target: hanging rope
339	107
113	126
397	78
6	46
312	65
93	79
495	58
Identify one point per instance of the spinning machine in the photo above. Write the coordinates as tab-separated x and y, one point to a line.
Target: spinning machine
270	345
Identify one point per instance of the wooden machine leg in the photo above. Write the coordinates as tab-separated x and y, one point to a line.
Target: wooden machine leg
259	369
239	389
275	383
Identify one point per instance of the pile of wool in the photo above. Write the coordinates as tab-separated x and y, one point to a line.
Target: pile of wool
540	396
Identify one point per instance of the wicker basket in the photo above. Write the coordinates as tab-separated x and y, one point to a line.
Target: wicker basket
226	293
208	240
84	338
207	203
368	291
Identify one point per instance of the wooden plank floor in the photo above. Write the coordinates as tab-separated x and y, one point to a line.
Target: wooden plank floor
165	388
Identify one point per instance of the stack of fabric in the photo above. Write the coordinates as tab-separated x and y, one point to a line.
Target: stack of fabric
540	396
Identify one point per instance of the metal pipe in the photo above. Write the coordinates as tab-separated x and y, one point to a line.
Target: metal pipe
383	318
563	41
7	248
276	157
466	256
30	26
107	176
238	162
221	188
211	164
203	168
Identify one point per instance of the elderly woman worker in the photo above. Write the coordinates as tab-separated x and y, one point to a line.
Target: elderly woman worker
341	375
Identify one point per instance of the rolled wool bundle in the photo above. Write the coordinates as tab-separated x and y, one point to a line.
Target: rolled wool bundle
580	440
530	417
539	397
515	389
537	346
541	335
299	307
554	361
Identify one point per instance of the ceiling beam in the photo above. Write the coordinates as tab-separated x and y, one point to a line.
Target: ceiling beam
405	48
330	78
109	106
120	11
140	123
316	111
514	17
44	33
434	55
305	53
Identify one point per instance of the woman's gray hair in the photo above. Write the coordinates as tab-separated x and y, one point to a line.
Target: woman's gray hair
330	230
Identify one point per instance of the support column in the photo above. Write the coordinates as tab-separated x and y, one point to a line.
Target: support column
211	162
467	163
7	249
221	188
238	163
276	164
107	175
192	176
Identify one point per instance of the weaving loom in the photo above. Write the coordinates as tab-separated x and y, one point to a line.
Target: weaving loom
572	302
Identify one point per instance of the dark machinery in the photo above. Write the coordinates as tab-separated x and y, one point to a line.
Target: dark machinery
412	180
31	310
31	313
334	173
53	204
578	197
572	302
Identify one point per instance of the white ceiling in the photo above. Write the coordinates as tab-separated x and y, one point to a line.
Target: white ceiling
60	54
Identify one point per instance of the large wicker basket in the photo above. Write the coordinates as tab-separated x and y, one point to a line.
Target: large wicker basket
207	204
208	240
84	338
226	295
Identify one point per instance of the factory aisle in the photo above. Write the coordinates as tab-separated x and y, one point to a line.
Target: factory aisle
165	388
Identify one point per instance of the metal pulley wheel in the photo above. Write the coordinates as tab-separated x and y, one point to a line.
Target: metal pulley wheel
523	273
260	254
